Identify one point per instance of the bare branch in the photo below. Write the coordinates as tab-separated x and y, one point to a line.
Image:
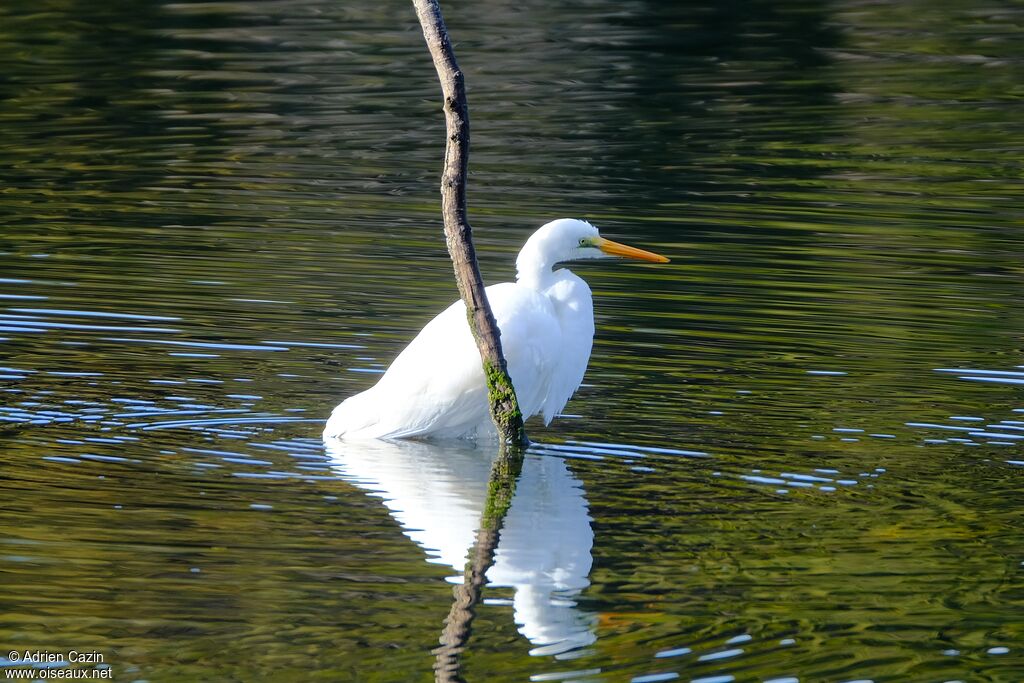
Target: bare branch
459	235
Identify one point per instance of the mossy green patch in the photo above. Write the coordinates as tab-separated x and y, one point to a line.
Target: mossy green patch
504	407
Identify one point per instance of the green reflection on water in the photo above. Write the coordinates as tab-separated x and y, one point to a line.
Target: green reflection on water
838	187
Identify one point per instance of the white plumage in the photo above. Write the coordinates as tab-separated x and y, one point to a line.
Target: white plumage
436	386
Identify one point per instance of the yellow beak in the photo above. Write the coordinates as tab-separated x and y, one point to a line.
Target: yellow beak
616	249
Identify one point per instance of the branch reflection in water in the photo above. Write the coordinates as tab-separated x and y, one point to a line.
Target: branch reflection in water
449	500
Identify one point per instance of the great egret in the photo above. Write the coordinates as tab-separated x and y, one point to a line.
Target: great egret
436	386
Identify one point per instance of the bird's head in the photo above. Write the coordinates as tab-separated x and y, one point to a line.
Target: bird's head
569	239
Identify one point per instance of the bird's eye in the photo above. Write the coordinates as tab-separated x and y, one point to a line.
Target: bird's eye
583	242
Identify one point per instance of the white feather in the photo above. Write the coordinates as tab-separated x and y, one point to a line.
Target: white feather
436	386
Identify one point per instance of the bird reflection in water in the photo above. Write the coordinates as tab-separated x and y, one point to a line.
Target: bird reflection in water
437	493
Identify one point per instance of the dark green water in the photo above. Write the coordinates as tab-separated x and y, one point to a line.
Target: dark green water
799	450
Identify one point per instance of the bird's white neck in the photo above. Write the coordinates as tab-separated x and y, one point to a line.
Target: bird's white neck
534	269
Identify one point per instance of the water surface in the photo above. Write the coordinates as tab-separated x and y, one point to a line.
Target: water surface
797	454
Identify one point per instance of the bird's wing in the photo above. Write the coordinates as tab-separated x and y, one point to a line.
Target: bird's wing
436	385
531	340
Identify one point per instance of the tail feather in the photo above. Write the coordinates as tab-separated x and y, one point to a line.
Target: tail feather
355	414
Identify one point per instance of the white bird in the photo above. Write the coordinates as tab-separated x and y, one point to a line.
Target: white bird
436	386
